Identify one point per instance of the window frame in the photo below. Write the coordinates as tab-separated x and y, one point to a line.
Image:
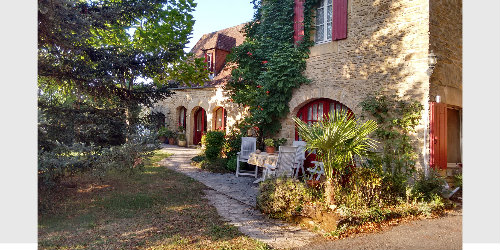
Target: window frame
223	119
182	117
324	4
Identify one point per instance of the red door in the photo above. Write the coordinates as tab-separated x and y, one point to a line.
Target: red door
438	135
316	111
200	125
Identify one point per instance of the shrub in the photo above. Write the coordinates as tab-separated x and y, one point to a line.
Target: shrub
427	187
457	180
362	190
232	144
231	163
213	141
163	132
198	158
217	166
282	197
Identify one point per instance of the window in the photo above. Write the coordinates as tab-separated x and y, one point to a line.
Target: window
182	118
318	109
324	22
210	62
220	119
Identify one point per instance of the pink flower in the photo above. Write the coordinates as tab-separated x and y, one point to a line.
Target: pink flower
267	92
258	86
248	53
264	62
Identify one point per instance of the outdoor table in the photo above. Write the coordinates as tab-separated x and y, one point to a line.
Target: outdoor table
259	159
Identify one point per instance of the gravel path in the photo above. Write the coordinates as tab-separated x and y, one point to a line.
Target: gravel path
235	199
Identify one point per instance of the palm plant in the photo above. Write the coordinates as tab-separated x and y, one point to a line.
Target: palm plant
337	140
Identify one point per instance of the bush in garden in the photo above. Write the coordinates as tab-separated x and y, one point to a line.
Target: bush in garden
282	197
362	190
232	145
213	141
231	164
427	187
64	161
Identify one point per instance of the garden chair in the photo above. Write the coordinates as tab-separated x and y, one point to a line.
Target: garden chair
318	170
284	165
300	156
248	146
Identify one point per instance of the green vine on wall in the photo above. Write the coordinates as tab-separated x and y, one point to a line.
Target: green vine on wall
269	64
397	119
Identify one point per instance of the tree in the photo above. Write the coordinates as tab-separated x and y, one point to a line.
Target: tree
107	48
337	139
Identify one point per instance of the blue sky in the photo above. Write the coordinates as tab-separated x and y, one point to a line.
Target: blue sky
213	15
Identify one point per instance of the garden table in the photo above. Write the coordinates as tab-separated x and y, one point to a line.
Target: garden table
259	159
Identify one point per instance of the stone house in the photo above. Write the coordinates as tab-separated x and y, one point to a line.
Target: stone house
412	48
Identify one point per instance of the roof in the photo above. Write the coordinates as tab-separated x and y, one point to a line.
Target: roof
224	39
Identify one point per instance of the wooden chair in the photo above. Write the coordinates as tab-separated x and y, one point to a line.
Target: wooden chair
248	146
300	156
284	165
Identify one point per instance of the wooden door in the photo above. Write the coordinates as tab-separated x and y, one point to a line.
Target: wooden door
200	125
438	135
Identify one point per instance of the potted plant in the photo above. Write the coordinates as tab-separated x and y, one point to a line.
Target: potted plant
181	140
171	138
269	142
162	134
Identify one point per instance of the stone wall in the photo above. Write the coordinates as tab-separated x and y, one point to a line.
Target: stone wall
386	50
446	43
207	98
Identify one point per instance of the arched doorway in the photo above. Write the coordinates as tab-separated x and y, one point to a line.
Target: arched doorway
315	111
200	125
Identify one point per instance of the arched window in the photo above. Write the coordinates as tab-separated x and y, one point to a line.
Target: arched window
182	118
318	109
220	117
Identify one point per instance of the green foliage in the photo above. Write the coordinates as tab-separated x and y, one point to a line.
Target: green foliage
232	144
182	137
218	165
163	132
426	187
457	180
198	158
270	65
231	163
214	142
362	190
65	161
337	139
104	49
396	118
282	197
269	142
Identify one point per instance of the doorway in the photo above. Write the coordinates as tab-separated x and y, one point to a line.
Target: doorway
200	125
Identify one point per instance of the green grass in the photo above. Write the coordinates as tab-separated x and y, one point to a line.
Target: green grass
155	209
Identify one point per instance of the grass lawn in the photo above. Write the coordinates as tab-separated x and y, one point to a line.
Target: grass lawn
154	209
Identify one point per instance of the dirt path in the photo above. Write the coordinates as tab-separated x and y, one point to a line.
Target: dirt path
235	199
440	233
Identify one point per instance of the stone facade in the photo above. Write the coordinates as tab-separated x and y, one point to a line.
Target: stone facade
386	51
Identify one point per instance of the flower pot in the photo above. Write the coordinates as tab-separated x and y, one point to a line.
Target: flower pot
162	139
181	143
270	150
171	141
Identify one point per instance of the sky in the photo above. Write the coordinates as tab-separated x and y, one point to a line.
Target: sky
213	15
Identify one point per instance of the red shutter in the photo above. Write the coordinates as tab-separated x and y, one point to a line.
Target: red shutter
438	136
298	21
339	22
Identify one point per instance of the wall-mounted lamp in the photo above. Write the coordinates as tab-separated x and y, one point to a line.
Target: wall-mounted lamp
438	99
432	61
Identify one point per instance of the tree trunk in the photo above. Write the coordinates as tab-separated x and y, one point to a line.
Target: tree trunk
329	198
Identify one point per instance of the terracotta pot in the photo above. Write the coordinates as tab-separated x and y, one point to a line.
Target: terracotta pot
162	139
171	141
270	150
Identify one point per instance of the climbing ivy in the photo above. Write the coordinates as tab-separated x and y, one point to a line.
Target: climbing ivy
268	64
